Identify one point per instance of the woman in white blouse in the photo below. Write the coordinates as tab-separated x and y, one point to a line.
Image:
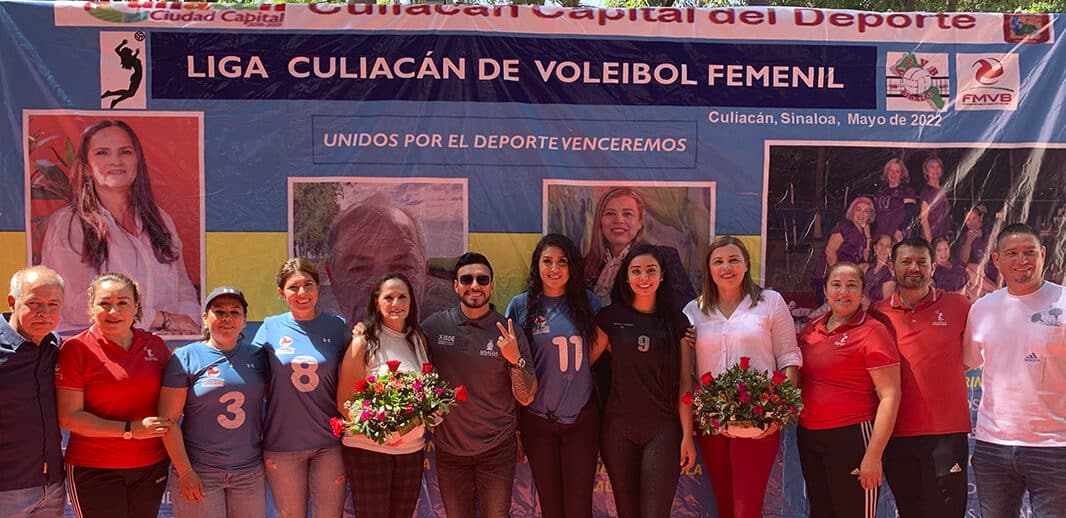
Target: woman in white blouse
734	317
114	224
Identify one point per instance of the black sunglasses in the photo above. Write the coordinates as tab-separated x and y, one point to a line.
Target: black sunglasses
466	280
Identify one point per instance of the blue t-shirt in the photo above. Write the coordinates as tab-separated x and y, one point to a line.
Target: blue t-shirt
560	358
223	421
304	356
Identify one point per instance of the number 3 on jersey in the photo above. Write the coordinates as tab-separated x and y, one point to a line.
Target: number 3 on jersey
564	352
304	373
234	402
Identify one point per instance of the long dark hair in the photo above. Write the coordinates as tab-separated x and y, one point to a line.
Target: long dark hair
666	315
374	322
577	299
87	207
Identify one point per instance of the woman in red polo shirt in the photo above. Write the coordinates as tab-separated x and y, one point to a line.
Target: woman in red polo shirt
850	383
107	382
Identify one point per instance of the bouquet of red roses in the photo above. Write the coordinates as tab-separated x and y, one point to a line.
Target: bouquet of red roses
392	401
745	401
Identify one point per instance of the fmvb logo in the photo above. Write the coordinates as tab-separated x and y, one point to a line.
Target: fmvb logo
988	82
916	82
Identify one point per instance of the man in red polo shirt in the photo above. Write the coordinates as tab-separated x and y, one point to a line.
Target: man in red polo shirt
926	459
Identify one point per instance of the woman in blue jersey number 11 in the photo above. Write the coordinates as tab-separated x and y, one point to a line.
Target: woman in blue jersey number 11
301	455
561	428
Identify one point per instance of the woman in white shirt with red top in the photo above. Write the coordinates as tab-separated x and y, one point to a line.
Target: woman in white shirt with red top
735	317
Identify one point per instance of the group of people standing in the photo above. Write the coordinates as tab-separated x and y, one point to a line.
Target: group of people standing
872	224
884	392
592	361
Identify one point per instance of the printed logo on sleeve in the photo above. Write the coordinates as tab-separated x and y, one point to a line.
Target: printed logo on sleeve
1051	318
940	321
285	346
447	340
212	378
490	350
1032	358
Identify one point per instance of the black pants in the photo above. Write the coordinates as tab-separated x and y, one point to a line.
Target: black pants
927	474
486	478
644	464
563	460
383	485
828	459
117	493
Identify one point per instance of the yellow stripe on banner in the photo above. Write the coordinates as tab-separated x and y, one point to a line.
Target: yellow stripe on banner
12	257
754	245
249	261
509	255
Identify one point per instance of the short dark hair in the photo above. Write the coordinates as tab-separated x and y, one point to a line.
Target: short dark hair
471	258
1015	229
914	242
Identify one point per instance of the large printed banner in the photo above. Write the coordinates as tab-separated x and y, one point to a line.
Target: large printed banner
376	138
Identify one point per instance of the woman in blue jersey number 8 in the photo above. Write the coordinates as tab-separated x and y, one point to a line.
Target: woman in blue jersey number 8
218	384
646	438
561	427
390	474
304	348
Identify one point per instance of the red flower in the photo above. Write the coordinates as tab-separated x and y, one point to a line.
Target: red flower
779	377
337	425
427	368
380	389
360	385
758	409
393	365
744	397
764	396
745	362
706	379
460	393
687	398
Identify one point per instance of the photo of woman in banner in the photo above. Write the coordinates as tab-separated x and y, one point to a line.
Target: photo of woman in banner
976	243
113	223
620	224
934	211
895	202
950	273
879	280
849	240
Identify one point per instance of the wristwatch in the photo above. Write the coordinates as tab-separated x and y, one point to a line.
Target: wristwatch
521	364
128	433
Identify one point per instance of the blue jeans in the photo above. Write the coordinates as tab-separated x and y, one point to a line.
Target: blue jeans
36	502
238	493
296	475
1005	473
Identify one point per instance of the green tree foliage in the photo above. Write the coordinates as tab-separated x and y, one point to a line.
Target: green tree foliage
315	207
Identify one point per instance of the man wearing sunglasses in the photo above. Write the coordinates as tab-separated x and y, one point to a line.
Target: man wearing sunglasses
473	345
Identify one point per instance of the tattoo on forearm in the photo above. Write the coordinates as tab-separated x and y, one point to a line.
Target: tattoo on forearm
523	385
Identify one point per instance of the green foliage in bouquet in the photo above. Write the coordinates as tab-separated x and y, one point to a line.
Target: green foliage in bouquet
744	397
394	402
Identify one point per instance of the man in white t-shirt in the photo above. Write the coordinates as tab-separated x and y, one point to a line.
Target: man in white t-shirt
1019	334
